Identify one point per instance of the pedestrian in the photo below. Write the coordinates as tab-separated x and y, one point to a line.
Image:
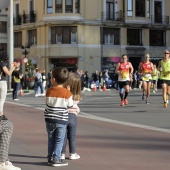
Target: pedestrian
38	83
74	83
44	81
49	79
164	66
101	81
124	69
16	76
58	99
106	79
6	127
146	70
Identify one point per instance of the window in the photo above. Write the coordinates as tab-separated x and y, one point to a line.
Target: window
63	35
3	46
157	38
32	37
77	6
111	36
129	8
58	6
140	8
49	6
69	6
17	39
148	8
31	3
134	37
3	27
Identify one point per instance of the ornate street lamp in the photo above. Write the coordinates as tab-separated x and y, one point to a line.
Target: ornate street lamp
25	51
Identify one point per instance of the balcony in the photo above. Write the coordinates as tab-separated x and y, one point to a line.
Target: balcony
112	16
161	19
25	18
18	20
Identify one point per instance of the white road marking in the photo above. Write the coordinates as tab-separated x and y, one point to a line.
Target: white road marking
89	116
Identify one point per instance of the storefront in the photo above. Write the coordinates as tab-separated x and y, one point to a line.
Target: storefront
69	63
109	63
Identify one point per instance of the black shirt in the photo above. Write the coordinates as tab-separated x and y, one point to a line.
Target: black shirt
3	76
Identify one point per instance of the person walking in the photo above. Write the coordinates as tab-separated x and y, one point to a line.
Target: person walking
6	127
146	70
164	66
16	76
74	84
124	69
58	100
38	83
106	79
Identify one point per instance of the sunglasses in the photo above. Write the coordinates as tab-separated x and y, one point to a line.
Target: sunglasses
166	53
147	57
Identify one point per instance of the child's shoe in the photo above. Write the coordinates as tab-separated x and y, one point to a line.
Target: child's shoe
74	156
63	156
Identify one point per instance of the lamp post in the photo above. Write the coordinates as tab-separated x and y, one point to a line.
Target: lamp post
25	51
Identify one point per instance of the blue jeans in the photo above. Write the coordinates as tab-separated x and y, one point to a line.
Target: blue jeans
38	84
16	87
71	133
56	133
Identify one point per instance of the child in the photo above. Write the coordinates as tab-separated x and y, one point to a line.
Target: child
58	99
74	82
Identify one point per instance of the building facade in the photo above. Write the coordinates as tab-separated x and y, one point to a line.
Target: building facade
90	34
4	28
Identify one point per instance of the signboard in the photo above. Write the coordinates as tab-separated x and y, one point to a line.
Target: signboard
109	63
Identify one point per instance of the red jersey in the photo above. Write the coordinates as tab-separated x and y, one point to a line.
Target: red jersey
124	68
146	67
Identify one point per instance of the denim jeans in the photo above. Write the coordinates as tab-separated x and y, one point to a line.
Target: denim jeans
16	87
71	133
56	133
38	84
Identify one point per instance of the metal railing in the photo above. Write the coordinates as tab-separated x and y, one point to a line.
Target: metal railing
25	18
160	19
118	16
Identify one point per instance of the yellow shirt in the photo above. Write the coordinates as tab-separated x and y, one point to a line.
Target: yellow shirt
165	75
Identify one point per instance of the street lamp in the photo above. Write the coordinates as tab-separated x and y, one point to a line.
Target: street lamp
25	50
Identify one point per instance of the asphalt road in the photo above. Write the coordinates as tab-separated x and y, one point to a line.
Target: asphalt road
133	137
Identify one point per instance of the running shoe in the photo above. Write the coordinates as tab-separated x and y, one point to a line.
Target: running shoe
125	101
122	103
165	104
147	102
143	97
154	91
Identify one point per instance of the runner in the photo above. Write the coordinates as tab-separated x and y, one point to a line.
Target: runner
124	69
164	66
155	76
146	69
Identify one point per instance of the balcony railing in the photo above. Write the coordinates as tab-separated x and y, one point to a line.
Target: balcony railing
25	18
161	19
118	16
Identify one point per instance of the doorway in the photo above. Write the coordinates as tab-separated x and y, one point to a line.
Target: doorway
135	61
158	11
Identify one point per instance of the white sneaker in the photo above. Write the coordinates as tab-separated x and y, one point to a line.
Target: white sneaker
63	156
36	95
8	166
74	156
16	99
43	94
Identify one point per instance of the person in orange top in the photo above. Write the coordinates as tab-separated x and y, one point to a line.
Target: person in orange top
124	69
146	70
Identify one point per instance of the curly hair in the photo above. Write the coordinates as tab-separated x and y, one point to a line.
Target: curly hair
3	56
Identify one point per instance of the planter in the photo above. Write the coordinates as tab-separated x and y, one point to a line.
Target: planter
30	84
